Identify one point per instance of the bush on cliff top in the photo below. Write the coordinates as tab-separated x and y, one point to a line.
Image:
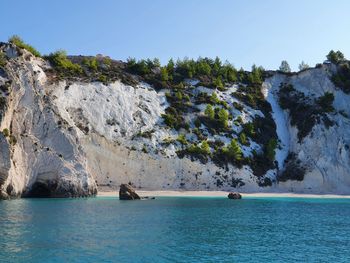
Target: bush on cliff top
20	43
60	61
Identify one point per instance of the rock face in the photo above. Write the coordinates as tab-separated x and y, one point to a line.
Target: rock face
65	136
126	192
324	152
234	195
5	160
38	156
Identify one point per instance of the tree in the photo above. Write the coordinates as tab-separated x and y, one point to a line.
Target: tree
243	139
270	149
326	102
164	76
303	66
216	66
170	66
255	76
249	129
205	148
223	118
285	67
218	83
209	111
214	98
156	63
234	151
203	68
335	57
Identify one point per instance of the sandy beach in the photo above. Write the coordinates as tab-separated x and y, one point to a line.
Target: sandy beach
170	193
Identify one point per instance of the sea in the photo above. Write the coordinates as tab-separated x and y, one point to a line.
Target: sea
175	229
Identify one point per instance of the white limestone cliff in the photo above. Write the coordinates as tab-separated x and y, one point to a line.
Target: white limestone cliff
67	137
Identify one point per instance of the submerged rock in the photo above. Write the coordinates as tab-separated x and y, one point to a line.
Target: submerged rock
126	192
234	195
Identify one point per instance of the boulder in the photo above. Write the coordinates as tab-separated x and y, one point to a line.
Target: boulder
234	195
126	192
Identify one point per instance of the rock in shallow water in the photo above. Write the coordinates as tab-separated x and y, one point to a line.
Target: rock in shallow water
234	195
126	192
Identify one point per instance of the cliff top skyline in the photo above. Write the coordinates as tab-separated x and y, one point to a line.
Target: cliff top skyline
258	32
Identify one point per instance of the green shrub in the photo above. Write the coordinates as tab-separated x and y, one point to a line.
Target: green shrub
233	151
164	76
238	106
3	59
249	129
182	139
178	95
335	57
16	40
238	121
209	112
223	118
12	140
326	102
174	119
304	111
303	66
218	83
107	61
102	78
203	148
6	132
91	63
285	67
341	78
243	139
270	149
255	77
293	169
142	67
60	61
214	98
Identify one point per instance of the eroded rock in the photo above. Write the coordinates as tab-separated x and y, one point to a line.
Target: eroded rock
234	195
126	192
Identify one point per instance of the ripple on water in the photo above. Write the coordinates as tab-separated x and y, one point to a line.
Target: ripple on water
175	229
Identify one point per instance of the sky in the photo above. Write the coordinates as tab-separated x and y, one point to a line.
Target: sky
244	32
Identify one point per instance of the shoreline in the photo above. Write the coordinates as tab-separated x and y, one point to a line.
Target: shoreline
174	193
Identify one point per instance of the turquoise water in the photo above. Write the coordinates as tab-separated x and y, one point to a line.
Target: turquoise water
173	229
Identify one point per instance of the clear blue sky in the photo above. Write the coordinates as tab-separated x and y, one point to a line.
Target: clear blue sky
244	32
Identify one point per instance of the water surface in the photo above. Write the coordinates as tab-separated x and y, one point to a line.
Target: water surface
175	229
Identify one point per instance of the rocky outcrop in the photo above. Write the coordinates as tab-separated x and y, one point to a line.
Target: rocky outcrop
39	157
234	195
126	192
320	162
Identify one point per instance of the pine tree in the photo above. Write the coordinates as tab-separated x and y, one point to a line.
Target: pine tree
234	151
285	67
164	74
303	66
205	148
214	98
209	111
223	118
243	139
335	57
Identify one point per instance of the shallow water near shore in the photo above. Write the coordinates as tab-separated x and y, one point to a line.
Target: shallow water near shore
175	229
